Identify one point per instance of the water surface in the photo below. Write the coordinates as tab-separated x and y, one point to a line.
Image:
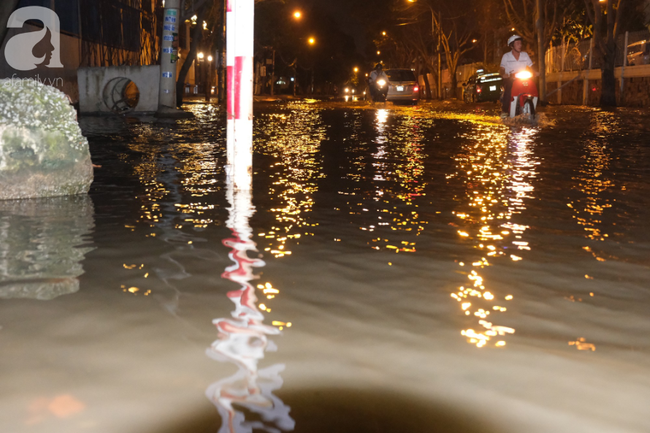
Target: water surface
394	269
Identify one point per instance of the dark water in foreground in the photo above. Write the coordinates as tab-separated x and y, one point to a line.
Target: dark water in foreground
401	271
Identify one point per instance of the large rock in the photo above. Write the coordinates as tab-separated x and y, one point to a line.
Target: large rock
42	244
42	150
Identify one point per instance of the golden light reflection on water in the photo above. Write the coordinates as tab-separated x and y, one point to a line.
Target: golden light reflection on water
385	189
292	142
593	180
184	170
497	167
178	186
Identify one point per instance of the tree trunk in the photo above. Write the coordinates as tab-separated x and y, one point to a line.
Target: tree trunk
191	56
608	85
454	82
606	47
427	85
5	12
540	52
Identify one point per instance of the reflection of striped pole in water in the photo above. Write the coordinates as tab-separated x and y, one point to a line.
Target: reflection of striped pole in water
239	64
243	338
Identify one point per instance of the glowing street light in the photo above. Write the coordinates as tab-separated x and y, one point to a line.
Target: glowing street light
200	56
209	58
473	41
297	15
312	41
356	69
378	52
383	33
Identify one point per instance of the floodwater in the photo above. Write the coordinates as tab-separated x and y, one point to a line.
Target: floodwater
400	270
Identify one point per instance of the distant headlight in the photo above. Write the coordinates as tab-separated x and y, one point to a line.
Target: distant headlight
523	75
381	83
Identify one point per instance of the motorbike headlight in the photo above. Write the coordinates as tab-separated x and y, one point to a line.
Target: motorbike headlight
523	75
381	83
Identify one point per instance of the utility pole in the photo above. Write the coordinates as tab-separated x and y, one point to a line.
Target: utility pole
167	90
239	62
222	57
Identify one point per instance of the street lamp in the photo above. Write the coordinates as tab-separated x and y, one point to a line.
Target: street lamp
383	33
356	70
208	86
200	56
297	15
312	41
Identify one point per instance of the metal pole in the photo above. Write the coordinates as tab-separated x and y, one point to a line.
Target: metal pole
273	75
585	87
295	75
208	86
239	62
167	89
622	99
559	84
439	61
222	80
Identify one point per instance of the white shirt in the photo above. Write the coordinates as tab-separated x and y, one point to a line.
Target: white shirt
376	75
510	64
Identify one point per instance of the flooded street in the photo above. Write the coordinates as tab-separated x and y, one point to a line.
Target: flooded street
400	270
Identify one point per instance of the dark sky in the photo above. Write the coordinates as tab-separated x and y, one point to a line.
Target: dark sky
342	12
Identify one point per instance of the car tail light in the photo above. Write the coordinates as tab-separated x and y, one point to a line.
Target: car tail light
416	89
479	89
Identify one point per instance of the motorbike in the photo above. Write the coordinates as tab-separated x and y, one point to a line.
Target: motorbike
379	90
524	95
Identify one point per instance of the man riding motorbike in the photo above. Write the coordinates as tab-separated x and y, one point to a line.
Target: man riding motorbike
512	62
376	75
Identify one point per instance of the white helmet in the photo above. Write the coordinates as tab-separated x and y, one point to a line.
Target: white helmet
513	38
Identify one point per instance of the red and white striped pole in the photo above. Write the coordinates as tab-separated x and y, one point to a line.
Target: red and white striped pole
239	64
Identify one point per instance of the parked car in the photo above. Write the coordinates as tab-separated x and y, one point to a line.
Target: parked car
638	53
402	86
483	86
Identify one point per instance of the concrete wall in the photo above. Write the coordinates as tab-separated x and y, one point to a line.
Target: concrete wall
93	81
636	86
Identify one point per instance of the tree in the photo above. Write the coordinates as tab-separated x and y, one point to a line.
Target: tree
205	10
606	43
453	25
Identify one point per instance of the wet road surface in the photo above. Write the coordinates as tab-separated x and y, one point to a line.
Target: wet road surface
400	269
